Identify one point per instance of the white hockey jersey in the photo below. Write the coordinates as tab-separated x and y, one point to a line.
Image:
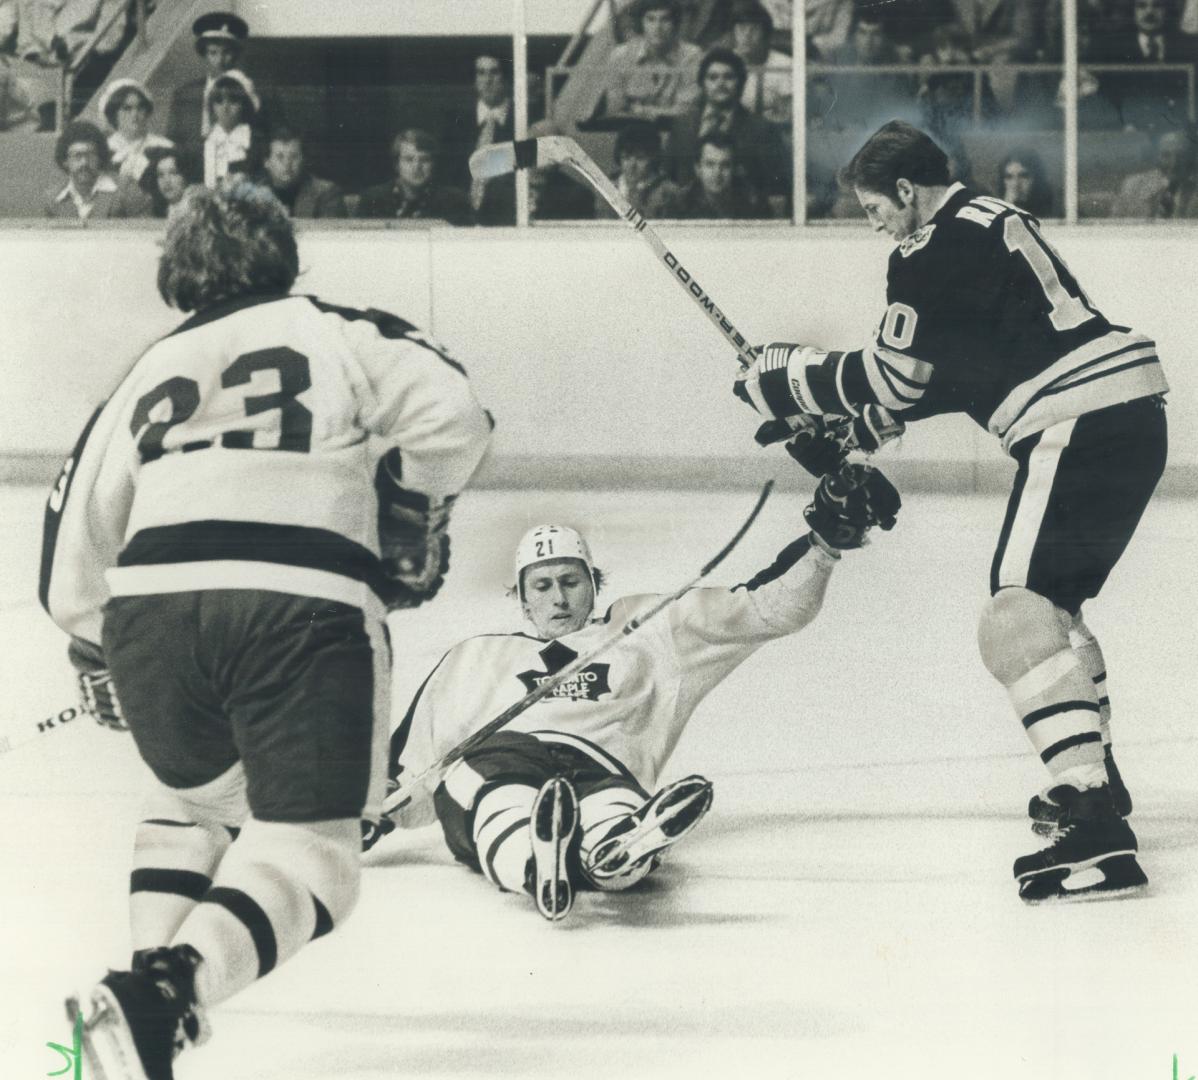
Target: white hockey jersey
240	452
627	709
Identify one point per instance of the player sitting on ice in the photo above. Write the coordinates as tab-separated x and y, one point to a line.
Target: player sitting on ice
559	799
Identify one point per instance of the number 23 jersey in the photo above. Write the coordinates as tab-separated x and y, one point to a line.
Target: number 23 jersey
985	318
239	452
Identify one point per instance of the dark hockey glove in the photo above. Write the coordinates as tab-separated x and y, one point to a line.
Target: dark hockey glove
374	831
822	443
874	428
413	542
97	695
848	504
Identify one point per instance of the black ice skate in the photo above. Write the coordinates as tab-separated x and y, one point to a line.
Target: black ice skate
664	820
554	827
1046	814
135	1022
1092	857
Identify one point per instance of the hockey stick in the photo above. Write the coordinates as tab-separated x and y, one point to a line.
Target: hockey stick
403	794
500	159
30	731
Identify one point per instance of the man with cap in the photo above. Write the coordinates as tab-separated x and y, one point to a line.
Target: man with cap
560	798
219	39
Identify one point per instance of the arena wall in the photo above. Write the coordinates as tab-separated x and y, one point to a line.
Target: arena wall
599	371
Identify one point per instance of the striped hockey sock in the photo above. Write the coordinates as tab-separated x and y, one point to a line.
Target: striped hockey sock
1089	652
501	836
280	886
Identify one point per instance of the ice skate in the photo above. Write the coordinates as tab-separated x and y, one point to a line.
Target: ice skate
1046	814
1093	855
553	825
136	1022
664	820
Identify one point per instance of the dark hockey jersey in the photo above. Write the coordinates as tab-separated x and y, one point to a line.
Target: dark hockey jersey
985	318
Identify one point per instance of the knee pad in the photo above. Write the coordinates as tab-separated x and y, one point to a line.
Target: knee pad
219	802
1018	630
323	856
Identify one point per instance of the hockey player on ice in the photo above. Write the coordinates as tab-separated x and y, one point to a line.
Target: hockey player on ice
223	541
984	318
560	798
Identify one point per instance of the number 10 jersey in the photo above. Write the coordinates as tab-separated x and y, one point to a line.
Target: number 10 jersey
240	450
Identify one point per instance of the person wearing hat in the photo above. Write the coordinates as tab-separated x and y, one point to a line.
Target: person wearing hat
767	90
127	106
232	141
219	39
91	192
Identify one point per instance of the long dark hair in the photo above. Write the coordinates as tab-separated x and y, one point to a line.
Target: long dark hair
1039	199
186	162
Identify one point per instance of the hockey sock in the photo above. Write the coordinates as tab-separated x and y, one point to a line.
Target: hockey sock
1024	641
1089	652
279	886
501	836
607	813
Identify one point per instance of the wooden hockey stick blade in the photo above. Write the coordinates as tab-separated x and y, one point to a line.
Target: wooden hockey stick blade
500	159
397	799
30	730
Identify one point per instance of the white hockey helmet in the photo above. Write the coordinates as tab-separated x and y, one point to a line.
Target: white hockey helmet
545	542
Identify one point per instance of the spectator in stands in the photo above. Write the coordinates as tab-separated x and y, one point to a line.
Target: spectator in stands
998	30
285	172
828	24
219	39
1171	189
653	74
232	143
768	89
127	106
91	191
1023	182
490	119
946	99
864	100
17	104
172	171
1151	101
762	162
640	172
715	190
54	32
415	192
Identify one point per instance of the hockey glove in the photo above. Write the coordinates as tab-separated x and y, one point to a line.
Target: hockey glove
374	831
413	541
776	385
848	504
97	695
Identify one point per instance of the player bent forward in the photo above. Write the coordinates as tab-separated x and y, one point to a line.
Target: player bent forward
232	489
984	318
559	799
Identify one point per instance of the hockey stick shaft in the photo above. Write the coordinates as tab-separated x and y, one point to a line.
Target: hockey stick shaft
30	731
551	150
549	685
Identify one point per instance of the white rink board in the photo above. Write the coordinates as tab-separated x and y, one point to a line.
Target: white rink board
846	910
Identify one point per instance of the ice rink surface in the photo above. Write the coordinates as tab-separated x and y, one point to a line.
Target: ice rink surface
846	911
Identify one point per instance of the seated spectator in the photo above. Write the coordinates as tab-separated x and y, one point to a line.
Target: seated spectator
999	30
1023	182
127	106
640	173
653	74
54	32
947	100
1151	101
91	192
232	142
17	99
864	100
554	196
828	23
285	172
219	39
767	90
415	192
171	172
1171	189
490	119
715	191
762	162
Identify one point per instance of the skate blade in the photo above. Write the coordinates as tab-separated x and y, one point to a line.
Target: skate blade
1112	877
652	835
107	1044
553	828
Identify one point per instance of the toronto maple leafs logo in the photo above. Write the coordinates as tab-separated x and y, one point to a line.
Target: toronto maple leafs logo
585	685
